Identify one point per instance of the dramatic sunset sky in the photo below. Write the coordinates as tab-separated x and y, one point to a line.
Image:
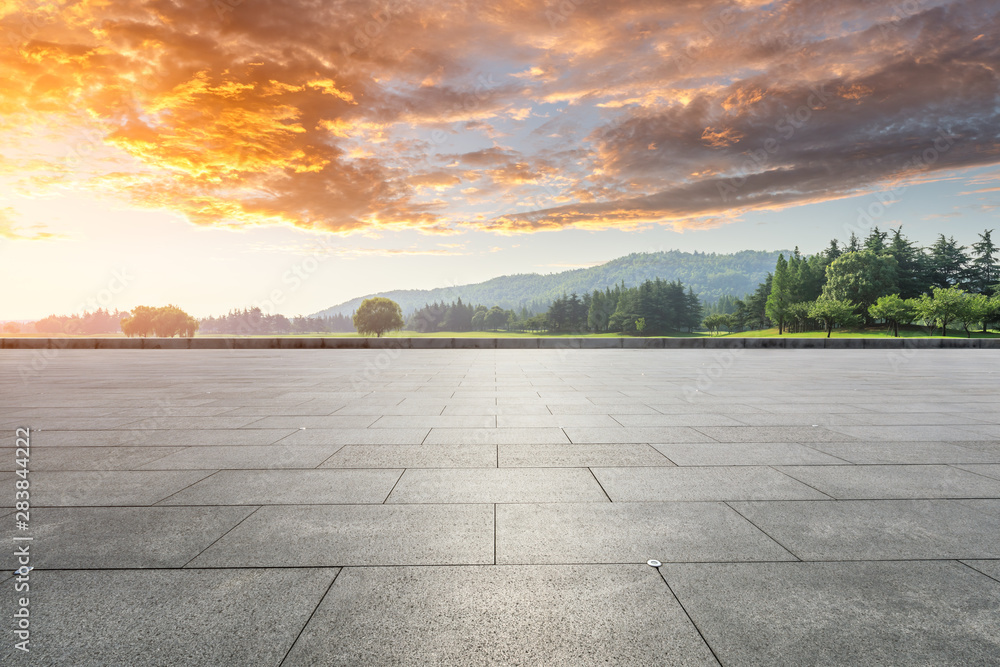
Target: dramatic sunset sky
217	155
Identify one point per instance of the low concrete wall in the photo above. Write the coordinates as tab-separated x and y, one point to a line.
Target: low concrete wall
492	343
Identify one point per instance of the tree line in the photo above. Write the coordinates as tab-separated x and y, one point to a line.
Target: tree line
653	308
100	321
885	278
253	321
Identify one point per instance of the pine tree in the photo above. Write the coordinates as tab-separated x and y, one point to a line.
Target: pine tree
984	270
778	301
948	263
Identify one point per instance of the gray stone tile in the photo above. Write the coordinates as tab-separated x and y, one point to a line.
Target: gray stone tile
856	482
629	533
60	423
705	484
745	454
878	529
312	421
95	458
515	410
108	488
907	452
357	436
356	535
496	436
492	485
910	419
635	435
984	432
683	419
557	421
288	487
160	438
558	616
189	423
436	421
728	408
232	458
305	409
801	419
908	433
414	456
164	408
991	470
774	434
562	398
590	409
168	617
579	456
991	568
379	409
124	537
840	613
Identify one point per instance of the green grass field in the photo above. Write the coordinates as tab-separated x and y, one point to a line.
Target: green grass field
859	332
863	332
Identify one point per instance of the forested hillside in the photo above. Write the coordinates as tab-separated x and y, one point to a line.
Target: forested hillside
709	275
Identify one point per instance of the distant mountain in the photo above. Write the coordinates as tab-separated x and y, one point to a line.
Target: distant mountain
710	275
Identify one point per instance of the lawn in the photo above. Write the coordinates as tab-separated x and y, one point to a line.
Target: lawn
857	332
863	332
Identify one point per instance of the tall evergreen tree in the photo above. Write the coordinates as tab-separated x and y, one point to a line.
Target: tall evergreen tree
875	241
911	265
948	263
984	270
779	298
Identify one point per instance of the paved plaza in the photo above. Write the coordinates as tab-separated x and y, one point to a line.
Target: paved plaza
474	507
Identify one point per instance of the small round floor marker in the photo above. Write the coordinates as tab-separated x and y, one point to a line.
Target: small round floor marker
653	563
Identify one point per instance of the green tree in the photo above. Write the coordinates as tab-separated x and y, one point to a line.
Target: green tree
140	323
495	318
833	311
861	278
716	322
378	315
875	241
893	311
984	270
943	306
479	320
798	319
11	327
164	321
976	309
780	297
948	263
911	265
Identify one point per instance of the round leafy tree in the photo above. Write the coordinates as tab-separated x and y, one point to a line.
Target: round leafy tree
378	315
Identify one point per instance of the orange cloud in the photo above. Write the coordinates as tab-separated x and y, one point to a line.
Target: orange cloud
352	118
11	231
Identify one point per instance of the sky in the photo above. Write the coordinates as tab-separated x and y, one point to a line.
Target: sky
293	154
